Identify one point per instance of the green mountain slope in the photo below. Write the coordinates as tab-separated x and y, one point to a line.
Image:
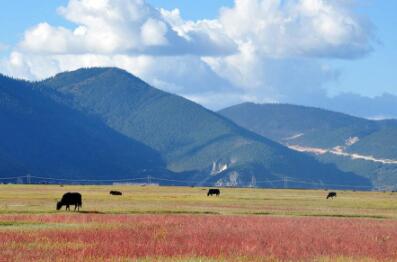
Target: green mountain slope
358	145
304	125
47	139
189	137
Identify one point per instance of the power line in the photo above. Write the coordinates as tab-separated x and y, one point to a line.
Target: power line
150	179
89	180
9	178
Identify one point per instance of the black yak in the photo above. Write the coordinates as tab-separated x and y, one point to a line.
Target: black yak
213	191
331	195
115	193
70	199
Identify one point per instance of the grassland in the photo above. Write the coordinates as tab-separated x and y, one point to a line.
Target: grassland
183	224
193	200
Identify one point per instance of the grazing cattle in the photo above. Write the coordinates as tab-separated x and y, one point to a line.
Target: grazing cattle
213	191
115	193
70	199
331	195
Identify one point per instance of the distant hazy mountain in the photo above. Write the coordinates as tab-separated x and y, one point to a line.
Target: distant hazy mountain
355	144
106	120
379	107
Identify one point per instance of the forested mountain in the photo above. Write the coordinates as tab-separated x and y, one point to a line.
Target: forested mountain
44	138
363	146
115	123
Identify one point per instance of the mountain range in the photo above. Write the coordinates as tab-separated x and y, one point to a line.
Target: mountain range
105	124
365	147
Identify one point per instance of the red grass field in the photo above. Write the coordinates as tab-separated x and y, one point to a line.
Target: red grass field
121	237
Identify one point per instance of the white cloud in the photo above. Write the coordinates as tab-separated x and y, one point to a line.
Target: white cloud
201	33
257	50
309	28
49	39
283	46
116	27
153	32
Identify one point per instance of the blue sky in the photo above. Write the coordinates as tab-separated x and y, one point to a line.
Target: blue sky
371	74
375	73
17	16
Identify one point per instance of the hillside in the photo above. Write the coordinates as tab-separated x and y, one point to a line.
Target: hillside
355	144
47	139
189	137
106	124
299	124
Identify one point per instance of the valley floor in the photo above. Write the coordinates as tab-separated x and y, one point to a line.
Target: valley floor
183	224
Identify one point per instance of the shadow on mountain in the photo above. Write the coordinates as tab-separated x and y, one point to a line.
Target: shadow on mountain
48	139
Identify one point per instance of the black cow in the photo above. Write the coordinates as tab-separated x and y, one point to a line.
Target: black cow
115	193
70	199
331	195
213	191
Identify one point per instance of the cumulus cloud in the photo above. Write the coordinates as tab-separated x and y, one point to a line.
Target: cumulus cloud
116	26
281	42
256	50
284	46
314	28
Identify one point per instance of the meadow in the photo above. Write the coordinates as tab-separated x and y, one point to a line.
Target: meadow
183	224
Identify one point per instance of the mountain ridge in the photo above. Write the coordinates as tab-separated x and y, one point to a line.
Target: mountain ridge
194	143
42	150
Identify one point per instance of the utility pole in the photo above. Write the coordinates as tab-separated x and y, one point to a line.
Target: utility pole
253	181
149	180
28	179
285	180
322	184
